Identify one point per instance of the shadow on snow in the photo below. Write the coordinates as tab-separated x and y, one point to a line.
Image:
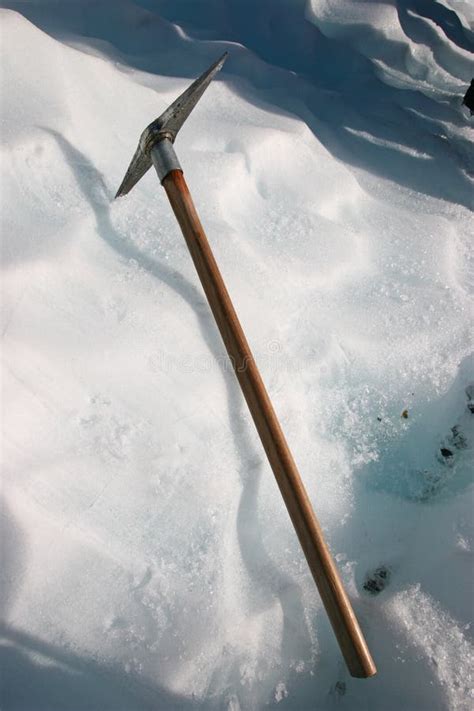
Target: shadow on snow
279	57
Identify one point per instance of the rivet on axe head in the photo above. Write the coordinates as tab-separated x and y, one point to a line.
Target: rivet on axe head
156	146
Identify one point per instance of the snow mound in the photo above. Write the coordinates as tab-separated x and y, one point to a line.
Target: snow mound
148	560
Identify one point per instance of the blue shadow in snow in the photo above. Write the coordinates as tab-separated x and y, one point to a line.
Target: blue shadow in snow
269	582
290	66
39	676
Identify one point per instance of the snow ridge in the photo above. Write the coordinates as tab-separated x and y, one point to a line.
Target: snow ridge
148	561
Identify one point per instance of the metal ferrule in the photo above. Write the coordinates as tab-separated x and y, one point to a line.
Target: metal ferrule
164	158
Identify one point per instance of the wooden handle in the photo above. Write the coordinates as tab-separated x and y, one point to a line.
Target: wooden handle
323	569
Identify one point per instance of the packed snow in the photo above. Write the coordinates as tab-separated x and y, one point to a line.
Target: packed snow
148	561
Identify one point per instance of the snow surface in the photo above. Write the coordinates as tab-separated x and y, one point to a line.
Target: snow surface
148	560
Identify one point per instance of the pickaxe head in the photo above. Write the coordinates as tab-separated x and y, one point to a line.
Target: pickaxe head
166	127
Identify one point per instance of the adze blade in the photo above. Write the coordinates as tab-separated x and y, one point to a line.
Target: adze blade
167	125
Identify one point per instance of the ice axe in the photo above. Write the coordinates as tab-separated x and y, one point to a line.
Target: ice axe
156	146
